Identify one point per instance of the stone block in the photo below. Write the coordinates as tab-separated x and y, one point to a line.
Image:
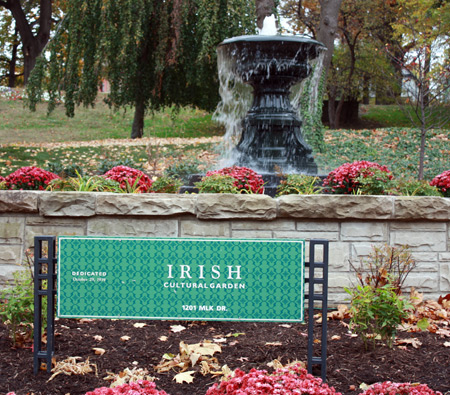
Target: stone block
263	225
51	230
67	204
337	281
229	206
251	234
338	255
148	204
10	254
197	228
422	207
307	235
423	282
420	241
364	231
6	273
336	206
418	226
19	201
362	250
55	221
104	226
444	285
317	226
11	230
444	257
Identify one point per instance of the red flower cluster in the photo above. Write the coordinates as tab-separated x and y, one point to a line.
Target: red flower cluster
284	381
442	182
343	179
246	179
125	174
388	388
30	178
135	388
2	179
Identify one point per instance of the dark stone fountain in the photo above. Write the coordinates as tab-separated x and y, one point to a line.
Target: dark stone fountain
271	138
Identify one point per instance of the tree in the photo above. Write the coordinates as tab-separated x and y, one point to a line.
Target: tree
154	53
33	22
424	30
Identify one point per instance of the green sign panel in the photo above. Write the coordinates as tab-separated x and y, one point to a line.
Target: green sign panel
178	278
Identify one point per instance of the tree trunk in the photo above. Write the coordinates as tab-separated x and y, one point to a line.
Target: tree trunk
137	130
263	8
13	62
32	46
328	24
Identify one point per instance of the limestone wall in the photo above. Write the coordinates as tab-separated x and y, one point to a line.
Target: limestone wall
352	224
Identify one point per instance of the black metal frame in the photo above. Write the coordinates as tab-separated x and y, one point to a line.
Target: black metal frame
314	296
45	270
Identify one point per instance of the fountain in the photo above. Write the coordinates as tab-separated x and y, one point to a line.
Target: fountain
270	137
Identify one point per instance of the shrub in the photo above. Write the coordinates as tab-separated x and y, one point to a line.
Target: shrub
286	381
411	187
298	184
134	388
389	388
64	170
246	180
442	182
84	184
344	179
217	183
30	178
374	181
107	164
130	180
183	170
376	312
385	265
166	185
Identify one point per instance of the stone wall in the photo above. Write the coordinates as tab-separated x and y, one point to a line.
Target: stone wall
352	224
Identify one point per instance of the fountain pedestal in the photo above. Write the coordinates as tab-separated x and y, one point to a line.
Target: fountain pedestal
271	139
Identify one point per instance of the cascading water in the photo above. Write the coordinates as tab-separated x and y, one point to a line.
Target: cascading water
263	128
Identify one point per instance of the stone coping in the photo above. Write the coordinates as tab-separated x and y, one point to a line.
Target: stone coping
226	206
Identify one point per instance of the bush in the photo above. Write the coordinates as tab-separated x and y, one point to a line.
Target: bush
84	184
411	187
183	170
217	183
130	180
29	178
388	388
286	381
376	312
374	181
298	184
442	182
107	164
166	185
64	170
134	388
344	179
246	180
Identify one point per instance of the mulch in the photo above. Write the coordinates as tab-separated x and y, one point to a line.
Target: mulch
248	345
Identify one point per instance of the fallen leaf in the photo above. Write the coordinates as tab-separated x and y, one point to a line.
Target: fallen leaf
139	325
447	344
285	325
125	338
336	337
220	340
163	338
234	334
177	328
185	377
128	376
416	343
98	338
99	351
70	366
274	344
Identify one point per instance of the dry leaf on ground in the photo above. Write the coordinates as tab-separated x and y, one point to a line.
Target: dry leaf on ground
185	377
177	328
128	376
70	366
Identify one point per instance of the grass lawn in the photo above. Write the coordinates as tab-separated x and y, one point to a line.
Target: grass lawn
393	145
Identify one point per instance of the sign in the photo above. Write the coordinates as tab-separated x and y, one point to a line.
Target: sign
179	278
